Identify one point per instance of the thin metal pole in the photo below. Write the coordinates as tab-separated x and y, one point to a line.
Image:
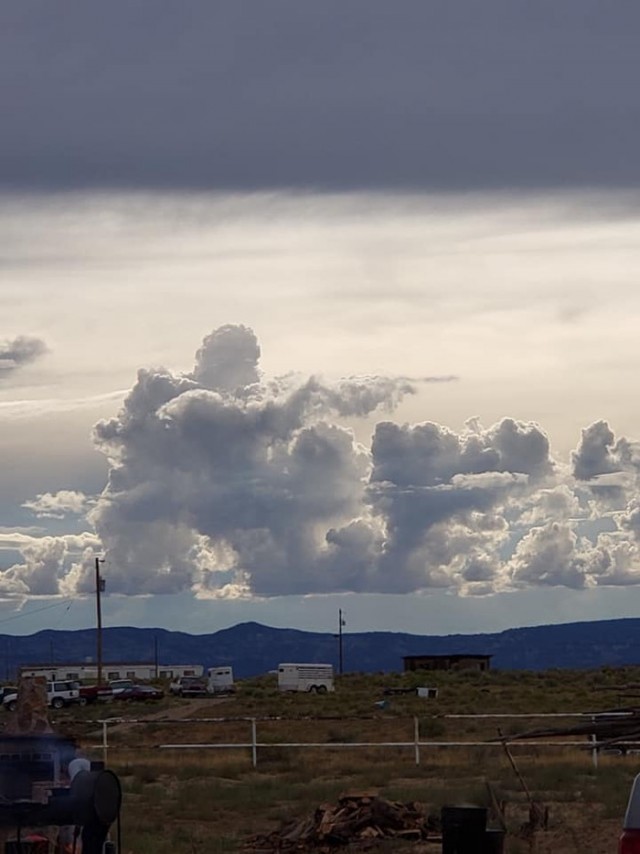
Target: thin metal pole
155	653
254	743
416	738
99	620
340	656
105	741
594	751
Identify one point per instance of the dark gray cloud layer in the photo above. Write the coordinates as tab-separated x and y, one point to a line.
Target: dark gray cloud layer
364	94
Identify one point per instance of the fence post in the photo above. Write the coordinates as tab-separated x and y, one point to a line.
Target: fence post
105	741
416	738
594	750
254	743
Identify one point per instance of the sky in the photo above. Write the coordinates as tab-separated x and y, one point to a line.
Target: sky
308	307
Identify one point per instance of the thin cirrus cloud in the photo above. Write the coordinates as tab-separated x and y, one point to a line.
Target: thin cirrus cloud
330	95
231	484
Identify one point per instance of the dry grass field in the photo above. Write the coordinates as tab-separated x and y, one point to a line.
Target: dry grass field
205	800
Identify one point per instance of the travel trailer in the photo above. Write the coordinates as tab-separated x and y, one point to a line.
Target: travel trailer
220	680
312	678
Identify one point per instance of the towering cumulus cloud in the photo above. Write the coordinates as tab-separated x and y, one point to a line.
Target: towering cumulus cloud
228	483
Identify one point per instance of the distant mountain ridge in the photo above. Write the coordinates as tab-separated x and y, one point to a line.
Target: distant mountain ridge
252	648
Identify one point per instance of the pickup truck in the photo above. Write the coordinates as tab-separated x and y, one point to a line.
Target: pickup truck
189	686
93	693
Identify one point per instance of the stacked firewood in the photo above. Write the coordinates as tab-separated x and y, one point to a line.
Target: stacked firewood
356	817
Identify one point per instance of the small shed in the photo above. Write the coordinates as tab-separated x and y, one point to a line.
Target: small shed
458	661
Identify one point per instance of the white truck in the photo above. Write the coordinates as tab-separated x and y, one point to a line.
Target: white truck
312	678
59	694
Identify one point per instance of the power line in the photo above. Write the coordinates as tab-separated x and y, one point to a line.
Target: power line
37	610
63	615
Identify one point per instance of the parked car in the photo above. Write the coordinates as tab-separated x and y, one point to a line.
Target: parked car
188	686
117	686
140	693
6	690
59	694
93	693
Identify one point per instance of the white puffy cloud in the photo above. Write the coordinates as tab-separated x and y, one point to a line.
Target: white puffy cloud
556	503
59	504
246	487
47	563
599	453
228	359
252	471
428	454
554	555
231	484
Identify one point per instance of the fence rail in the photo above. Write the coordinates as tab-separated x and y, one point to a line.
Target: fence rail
416	744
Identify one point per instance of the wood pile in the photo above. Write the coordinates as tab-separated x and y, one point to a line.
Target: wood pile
358	817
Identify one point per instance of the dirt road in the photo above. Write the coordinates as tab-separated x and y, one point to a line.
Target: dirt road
198	707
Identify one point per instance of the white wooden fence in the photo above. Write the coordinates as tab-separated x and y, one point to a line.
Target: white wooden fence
415	743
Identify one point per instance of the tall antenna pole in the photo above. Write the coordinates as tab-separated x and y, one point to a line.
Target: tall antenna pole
99	589
341	623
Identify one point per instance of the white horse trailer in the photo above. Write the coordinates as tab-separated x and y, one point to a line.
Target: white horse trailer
220	680
313	678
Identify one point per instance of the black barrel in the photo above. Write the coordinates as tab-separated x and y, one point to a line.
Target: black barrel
463	829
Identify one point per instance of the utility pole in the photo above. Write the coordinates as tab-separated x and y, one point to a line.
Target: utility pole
341	623
100	585
155	653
